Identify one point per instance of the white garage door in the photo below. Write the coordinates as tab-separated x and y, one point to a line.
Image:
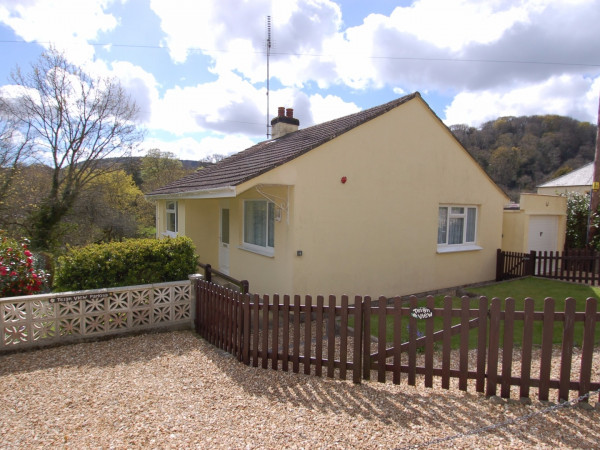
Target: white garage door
543	233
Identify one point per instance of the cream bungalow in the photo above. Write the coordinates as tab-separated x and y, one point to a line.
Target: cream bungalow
382	202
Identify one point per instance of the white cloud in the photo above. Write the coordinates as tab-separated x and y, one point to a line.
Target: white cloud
140	84
66	24
330	107
454	46
453	24
238	41
566	95
228	105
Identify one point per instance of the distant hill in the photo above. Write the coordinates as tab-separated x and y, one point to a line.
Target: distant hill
520	153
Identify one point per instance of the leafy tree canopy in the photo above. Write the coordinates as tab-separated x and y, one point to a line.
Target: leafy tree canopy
520	153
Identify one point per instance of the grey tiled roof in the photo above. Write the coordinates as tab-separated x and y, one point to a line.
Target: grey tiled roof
580	177
267	155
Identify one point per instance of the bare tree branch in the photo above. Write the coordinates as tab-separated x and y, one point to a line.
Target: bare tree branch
73	122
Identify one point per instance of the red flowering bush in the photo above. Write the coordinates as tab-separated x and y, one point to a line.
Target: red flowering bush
18	275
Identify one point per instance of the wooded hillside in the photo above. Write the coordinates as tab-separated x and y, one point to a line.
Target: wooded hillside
520	153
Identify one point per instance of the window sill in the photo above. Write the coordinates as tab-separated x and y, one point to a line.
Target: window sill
171	234
259	251
458	248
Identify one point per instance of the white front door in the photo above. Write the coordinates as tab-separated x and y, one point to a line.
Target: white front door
224	242
543	233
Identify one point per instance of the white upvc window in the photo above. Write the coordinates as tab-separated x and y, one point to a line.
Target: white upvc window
171	218
457	228
259	226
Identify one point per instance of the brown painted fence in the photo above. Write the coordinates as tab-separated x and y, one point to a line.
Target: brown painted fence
313	336
577	265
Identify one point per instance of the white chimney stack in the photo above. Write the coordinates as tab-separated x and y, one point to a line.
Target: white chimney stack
284	123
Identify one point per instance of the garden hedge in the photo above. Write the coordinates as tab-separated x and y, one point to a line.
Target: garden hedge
129	263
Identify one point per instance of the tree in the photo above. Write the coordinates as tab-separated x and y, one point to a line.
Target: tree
111	207
15	147
75	121
160	168
28	186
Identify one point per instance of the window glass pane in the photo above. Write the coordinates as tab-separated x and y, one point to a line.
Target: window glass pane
442	225
225	226
255	222
171	216
457	210
271	226
471	221
171	222
455	232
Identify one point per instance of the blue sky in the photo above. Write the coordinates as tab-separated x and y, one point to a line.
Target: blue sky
197	69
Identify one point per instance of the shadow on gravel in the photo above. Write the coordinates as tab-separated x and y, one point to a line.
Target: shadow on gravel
415	409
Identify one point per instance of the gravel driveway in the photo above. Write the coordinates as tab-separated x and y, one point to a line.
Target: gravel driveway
173	390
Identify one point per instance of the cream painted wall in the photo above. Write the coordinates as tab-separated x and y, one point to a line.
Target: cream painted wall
377	233
202	226
160	217
515	224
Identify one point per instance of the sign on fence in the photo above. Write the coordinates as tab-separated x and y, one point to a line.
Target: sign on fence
77	298
421	313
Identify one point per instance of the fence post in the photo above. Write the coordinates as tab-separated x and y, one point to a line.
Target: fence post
531	263
245	286
499	264
208	273
195	307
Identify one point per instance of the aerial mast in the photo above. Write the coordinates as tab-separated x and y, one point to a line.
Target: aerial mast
268	57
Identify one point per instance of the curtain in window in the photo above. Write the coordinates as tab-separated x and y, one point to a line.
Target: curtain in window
442	225
271	226
471	220
255	223
455	232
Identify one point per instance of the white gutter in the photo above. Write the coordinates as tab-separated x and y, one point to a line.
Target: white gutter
221	192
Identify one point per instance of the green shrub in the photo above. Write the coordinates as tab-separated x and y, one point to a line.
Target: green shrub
18	274
129	263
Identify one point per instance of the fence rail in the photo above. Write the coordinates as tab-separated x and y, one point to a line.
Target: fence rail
314	335
40	320
213	275
577	265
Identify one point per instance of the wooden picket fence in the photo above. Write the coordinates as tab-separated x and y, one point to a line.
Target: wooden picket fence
576	265
331	337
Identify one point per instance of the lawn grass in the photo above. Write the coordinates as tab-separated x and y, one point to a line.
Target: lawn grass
535	288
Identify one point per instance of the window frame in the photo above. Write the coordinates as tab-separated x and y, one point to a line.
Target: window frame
171	211
464	245
269	233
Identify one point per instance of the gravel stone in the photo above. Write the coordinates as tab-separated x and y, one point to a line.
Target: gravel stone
174	390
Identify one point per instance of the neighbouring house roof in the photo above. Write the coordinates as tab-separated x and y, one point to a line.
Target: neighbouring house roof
267	155
580	177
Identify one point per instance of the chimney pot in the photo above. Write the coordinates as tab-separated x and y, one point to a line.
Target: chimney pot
280	111
289	113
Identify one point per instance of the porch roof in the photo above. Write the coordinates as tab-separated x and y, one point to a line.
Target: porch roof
220	180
